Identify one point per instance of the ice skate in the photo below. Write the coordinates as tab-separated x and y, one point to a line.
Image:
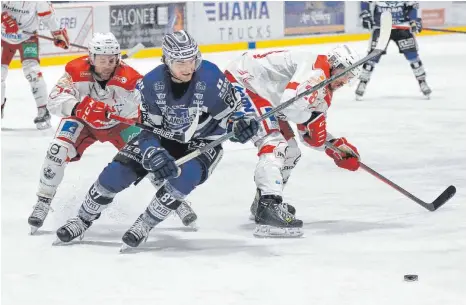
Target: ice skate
3	107
254	204
138	233
74	227
41	209
425	89
42	120
274	220
187	215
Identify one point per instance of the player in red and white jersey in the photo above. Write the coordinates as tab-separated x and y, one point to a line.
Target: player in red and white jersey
91	86
266	80
19	17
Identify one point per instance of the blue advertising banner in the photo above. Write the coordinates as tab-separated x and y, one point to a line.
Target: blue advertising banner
314	17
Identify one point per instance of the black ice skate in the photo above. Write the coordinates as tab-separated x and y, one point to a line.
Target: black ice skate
254	204
187	215
74	227
42	120
41	209
138	233
360	90
274	220
425	89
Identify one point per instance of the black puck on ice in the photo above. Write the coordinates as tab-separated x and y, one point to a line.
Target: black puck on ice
410	277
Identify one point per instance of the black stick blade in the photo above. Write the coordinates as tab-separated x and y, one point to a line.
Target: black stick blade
443	198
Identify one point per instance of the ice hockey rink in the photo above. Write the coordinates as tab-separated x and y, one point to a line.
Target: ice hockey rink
361	236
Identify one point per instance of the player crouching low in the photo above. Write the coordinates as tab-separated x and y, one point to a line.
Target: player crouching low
266	80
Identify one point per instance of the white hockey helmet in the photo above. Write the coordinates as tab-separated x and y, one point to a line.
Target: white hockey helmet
103	44
342	57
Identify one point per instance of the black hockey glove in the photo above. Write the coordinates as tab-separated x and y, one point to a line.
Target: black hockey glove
158	161
244	128
366	19
416	26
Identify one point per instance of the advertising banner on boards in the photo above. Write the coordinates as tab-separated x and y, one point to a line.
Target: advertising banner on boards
235	21
145	23
314	17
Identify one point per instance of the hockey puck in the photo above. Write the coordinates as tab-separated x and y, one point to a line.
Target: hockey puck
410	277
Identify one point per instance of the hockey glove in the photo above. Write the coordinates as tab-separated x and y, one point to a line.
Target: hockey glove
61	39
9	23
158	161
93	112
348	158
416	26
315	131
366	19
244	128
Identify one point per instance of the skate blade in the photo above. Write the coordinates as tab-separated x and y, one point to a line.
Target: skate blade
359	97
33	230
265	231
43	125
193	226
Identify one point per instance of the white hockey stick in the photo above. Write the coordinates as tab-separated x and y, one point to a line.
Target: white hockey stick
385	30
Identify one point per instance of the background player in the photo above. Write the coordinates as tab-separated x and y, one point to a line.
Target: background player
19	16
402	12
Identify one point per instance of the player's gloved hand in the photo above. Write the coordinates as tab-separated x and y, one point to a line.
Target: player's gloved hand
416	26
92	111
347	157
9	23
244	128
160	163
315	129
366	19
61	39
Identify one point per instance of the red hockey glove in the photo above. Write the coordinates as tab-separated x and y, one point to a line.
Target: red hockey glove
348	158
93	112
61	39
11	27
315	129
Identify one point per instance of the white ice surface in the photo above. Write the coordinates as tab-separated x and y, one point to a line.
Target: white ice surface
361	236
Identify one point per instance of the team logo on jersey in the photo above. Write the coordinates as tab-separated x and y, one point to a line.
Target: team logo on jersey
161	96
49	173
120	79
69	130
159	86
200	86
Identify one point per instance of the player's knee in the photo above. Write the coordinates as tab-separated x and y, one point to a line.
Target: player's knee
411	56
116	177
4	73
293	152
61	149
31	70
191	176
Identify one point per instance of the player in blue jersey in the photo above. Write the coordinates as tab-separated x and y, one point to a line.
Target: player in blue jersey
403	13
193	102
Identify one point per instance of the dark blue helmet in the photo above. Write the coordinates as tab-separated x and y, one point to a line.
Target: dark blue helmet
180	45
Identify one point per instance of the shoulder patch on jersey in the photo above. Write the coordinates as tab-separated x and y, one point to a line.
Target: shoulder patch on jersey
322	64
125	77
79	69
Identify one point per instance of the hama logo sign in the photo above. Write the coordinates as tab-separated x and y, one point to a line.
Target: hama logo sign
228	21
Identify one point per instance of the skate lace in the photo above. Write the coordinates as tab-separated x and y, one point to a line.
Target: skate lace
76	226
140	228
41	209
282	210
184	209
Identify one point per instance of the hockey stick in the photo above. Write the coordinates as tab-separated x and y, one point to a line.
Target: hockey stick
432	206
129	53
385	30
403	27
